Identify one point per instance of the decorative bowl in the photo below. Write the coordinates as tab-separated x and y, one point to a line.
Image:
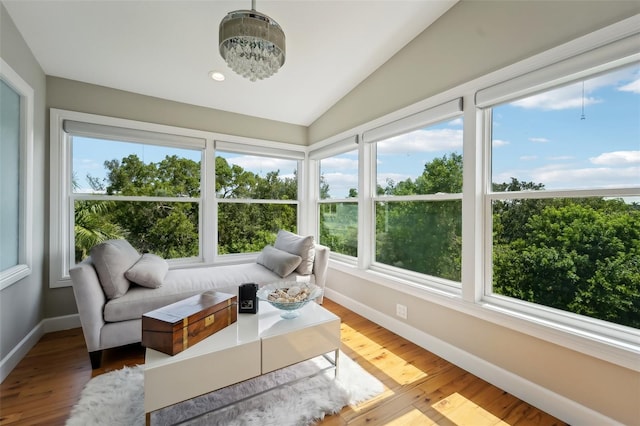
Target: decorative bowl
289	296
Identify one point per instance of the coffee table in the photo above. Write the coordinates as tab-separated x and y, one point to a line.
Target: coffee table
255	344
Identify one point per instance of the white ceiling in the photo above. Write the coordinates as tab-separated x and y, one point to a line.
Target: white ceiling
166	48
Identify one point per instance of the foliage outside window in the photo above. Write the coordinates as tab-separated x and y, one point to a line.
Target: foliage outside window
565	186
338	206
256	196
418	217
147	194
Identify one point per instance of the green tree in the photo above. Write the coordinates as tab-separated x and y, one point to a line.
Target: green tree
423	236
581	256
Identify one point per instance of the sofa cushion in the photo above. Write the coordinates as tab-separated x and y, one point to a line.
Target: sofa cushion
112	259
279	261
184	282
300	246
148	271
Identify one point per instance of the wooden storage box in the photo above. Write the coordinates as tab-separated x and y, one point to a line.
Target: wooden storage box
176	327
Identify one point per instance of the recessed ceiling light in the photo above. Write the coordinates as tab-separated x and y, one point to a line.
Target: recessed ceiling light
216	75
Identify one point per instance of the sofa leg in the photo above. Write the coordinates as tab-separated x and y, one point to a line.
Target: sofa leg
96	359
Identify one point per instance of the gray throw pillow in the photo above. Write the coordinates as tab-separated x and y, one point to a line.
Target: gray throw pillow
148	271
112	259
298	245
278	261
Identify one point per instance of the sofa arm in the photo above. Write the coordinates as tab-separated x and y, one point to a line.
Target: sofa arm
90	300
320	266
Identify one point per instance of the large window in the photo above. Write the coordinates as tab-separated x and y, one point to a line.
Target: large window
256	195
564	197
148	194
338	202
16	168
154	186
418	199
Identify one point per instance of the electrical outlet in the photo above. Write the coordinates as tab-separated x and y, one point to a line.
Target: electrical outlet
401	311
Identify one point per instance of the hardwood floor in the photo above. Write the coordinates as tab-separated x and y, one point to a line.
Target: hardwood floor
421	388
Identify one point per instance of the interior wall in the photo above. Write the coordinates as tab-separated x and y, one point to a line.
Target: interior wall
21	303
89	98
472	39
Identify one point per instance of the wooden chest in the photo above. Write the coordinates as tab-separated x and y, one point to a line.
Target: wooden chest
176	327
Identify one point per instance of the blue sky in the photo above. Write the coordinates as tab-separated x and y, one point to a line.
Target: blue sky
542	139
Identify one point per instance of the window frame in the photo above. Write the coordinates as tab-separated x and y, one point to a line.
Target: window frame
539	312
24	267
431	116
61	242
335	148
617	344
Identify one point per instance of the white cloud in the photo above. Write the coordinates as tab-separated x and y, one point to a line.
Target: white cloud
596	177
616	158
336	163
633	87
529	157
572	96
423	141
496	143
539	140
340	183
455	122
564	98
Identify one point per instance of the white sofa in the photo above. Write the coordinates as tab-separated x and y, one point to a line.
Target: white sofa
110	320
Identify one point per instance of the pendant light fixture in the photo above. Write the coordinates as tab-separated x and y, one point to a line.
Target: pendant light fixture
251	43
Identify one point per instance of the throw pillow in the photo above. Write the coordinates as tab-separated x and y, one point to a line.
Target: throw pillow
278	261
148	271
112	259
298	245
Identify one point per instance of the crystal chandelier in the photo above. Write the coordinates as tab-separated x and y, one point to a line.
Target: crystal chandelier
252	44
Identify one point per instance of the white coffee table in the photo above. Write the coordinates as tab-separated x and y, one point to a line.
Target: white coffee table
254	345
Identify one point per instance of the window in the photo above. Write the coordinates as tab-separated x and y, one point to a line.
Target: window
148	194
338	203
256	195
564	197
154	185
418	197
16	182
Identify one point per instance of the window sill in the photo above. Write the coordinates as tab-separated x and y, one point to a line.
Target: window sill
12	275
621	352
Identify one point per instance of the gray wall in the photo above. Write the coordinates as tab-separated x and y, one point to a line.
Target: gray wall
76	96
21	304
470	40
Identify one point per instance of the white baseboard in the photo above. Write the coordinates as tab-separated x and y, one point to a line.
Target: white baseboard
555	404
48	325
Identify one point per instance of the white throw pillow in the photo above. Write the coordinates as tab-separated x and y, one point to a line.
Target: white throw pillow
112	259
148	271
300	246
278	261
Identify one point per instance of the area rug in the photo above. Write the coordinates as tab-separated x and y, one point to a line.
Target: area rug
117	398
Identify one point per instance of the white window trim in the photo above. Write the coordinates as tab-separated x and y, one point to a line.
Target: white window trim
620	347
23	269
61	222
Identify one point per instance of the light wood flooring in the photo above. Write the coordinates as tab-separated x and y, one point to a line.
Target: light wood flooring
421	388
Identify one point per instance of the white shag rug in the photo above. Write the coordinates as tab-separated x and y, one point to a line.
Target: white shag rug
116	398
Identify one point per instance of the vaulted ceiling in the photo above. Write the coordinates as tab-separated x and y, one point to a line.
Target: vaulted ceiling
166	48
